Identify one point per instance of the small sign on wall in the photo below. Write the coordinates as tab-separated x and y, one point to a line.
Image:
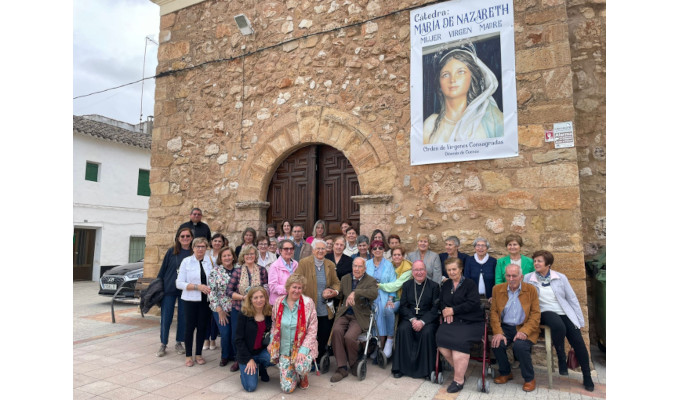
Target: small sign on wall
564	134
549	136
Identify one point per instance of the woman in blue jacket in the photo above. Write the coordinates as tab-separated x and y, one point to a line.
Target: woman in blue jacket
481	265
171	295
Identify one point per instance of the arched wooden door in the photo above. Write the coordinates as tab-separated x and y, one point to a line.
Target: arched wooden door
315	182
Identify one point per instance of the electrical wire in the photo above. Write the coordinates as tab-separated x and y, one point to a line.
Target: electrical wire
221	60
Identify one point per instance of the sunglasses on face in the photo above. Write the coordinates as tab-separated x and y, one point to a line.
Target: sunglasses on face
287	248
379	248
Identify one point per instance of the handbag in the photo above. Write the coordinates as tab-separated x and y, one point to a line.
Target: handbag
266	339
572	362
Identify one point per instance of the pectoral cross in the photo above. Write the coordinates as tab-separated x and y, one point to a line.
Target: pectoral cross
417	309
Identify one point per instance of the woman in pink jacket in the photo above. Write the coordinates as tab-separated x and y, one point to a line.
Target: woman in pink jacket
280	270
294	353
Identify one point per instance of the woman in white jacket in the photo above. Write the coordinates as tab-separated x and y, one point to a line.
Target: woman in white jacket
192	279
561	311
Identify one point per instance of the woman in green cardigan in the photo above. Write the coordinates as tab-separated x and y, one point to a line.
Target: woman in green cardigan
514	243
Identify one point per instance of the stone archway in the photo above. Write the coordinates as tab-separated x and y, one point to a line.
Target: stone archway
319	125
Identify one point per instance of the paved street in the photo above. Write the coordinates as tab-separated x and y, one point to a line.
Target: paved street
117	361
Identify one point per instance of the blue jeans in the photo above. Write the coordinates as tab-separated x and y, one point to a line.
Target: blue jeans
211	330
167	312
227	345
233	321
249	381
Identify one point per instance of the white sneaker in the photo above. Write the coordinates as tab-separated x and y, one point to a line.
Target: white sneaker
179	348
161	351
388	348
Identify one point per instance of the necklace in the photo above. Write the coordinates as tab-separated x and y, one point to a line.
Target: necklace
415	287
451	121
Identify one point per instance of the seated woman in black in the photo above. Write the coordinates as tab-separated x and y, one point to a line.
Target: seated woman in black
463	322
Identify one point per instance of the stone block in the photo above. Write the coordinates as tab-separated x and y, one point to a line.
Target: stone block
517	200
543	58
560	199
495	182
568	154
546	15
376	181
481	201
156	239
151	256
170	51
570	264
161	160
451	203
562	221
168	20
528	177
558	175
558	83
531	135
561	242
547	176
159	188
547	113
511	162
170	200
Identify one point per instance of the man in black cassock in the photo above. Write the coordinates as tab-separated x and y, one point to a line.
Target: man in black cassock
415	349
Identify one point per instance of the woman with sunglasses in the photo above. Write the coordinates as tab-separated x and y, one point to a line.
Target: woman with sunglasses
280	270
379	268
171	295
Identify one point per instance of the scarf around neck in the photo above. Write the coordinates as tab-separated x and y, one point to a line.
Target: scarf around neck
300	329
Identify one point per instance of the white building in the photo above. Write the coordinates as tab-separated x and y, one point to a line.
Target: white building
111	164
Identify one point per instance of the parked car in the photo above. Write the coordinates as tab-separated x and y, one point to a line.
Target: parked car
125	275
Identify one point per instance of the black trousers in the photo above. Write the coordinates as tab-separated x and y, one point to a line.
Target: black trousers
520	348
561	327
323	333
197	315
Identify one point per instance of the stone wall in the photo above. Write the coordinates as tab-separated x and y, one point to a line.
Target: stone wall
222	128
587	22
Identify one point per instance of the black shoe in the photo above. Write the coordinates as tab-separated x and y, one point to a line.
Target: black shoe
223	362
454	387
588	383
397	374
562	365
264	375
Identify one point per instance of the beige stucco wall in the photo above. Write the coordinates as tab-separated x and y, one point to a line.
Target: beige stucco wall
222	128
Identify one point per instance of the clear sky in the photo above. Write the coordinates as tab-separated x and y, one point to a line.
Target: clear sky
108	51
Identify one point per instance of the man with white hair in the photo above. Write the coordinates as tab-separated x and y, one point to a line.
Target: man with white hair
515	317
322	286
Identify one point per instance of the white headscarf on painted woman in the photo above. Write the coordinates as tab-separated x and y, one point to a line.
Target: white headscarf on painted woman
481	119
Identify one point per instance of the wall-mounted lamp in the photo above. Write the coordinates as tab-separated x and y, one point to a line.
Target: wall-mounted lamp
244	25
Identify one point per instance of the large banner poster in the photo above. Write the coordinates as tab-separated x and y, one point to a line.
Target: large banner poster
463	97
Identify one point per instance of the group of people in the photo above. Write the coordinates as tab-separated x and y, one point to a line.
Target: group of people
280	299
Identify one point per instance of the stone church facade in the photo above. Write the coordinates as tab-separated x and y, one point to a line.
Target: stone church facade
231	108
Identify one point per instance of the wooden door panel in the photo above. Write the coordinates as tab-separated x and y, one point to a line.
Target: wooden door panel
291	188
339	183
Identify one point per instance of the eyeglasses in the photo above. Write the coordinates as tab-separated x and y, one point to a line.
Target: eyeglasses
200	246
184	236
286	248
379	248
263	244
318	249
249	255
